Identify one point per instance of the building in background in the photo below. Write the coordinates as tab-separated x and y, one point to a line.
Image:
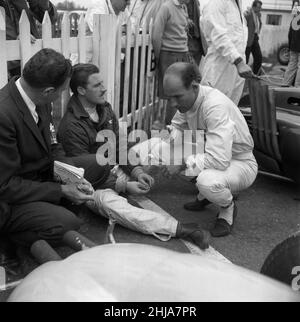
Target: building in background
276	19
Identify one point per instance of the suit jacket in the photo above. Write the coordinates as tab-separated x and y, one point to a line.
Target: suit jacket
26	163
251	26
36	10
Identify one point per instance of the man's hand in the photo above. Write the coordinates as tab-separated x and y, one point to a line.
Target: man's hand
86	187
136	188
244	70
72	193
146	180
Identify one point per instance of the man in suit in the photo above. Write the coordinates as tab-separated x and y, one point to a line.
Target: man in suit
26	160
253	17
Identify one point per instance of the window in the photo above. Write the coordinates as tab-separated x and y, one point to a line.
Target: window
274	20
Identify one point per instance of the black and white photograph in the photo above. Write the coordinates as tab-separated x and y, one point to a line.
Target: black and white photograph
149	154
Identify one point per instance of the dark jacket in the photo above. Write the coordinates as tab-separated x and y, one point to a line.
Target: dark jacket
78	133
294	35
26	164
36	11
251	26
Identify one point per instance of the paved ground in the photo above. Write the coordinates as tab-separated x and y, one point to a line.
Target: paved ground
268	213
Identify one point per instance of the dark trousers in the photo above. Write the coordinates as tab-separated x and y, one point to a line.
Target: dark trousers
256	53
26	223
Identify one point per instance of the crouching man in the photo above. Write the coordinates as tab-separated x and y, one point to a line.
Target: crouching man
227	165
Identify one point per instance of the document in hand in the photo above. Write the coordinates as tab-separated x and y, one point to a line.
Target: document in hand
67	174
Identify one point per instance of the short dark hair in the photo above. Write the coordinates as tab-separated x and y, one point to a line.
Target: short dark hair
189	74
47	68
80	76
256	2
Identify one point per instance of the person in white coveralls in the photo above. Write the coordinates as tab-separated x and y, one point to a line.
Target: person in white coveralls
225	29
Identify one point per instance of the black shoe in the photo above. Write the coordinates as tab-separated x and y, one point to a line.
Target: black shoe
199	236
222	227
197	205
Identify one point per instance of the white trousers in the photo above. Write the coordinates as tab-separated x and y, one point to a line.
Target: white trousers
218	186
218	73
215	185
109	204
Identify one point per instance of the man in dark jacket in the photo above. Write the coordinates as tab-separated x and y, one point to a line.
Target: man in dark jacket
35	10
87	115
26	160
292	74
253	17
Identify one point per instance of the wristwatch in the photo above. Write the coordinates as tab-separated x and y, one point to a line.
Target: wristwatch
237	61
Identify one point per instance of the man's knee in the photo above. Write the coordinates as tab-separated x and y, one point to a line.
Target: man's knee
41	220
208	179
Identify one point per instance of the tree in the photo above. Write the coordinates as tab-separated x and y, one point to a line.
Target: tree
68	6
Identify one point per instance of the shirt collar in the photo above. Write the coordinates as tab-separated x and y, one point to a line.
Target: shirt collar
198	102
76	107
31	106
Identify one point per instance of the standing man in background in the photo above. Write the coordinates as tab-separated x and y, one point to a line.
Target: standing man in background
194	33
253	17
170	41
225	30
292	74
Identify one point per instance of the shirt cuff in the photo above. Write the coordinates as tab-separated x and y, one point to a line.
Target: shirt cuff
234	56
121	184
194	165
136	172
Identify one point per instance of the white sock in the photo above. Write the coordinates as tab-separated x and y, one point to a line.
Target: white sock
227	213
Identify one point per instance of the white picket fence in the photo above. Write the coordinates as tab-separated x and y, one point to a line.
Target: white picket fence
104	48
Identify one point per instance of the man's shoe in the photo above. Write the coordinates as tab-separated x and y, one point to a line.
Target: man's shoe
199	236
197	205
222	227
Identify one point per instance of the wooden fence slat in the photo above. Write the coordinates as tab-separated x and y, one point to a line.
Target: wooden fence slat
47	31
149	81
3	57
65	50
135	82
142	76
118	70
82	55
25	39
65	35
96	40
108	53
127	70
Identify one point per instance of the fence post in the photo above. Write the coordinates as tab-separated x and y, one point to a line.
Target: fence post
25	39
65	50
82	40
107	53
46	31
118	70
3	63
